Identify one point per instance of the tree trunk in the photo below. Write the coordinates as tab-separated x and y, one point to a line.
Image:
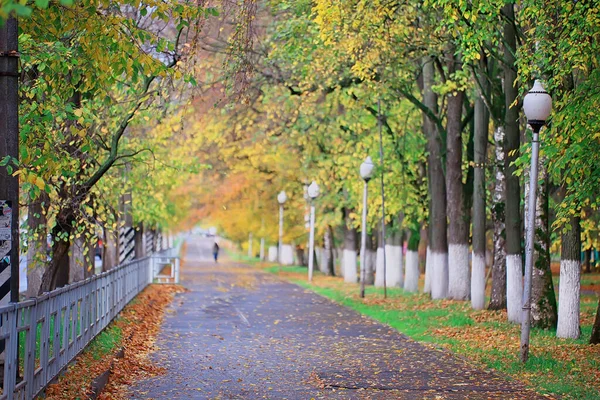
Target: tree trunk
57	273
349	263
543	299
110	257
78	260
514	262
437	260
458	248
498	294
587	258
37	256
394	255
595	338
328	243
411	280
389	259
480	139
140	246
9	146
569	288
370	258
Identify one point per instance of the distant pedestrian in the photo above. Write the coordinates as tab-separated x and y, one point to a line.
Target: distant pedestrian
216	252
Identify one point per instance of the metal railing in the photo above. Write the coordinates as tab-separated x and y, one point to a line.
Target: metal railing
49	331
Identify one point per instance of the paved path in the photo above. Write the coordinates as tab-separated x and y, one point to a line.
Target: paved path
242	334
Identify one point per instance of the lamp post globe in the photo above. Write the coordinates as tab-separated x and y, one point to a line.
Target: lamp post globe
282	197
366	169
537	106
313	190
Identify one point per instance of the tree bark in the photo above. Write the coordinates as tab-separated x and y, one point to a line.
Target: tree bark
395	255
498	294
514	262
411	280
569	288
78	260
595	338
57	272
482	120
349	258
458	248
37	256
438	241
328	243
9	141
110	258
370	258
543	299
140	247
587	258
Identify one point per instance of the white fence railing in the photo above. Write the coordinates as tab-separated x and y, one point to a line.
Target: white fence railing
49	331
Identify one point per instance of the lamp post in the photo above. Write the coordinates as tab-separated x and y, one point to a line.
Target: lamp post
313	193
366	171
281	198
537	105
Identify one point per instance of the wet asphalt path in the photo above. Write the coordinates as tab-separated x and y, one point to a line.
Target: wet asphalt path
242	334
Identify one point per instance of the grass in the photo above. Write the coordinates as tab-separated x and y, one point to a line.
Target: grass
106	342
559	367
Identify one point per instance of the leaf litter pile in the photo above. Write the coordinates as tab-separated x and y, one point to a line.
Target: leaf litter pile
122	348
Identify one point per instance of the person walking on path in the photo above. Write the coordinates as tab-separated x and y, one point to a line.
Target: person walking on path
216	251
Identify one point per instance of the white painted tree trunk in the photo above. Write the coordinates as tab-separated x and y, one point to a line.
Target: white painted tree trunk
411	279
395	268
478	282
439	275
287	254
428	270
320	253
349	266
370	260
272	254
379	267
514	287
568	299
459	277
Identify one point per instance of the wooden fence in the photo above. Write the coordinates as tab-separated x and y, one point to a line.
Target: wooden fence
49	331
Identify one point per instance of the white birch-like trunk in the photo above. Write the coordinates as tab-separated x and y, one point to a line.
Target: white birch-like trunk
428	270
411	279
395	268
379	267
478	282
272	257
349	266
439	275
459	276
514	287
568	299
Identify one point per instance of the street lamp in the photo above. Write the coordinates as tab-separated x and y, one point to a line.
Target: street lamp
366	171
537	105
313	193
281	198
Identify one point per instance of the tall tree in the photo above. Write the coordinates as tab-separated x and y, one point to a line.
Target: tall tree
512	209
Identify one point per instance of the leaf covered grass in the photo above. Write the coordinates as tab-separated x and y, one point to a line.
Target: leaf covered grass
557	367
